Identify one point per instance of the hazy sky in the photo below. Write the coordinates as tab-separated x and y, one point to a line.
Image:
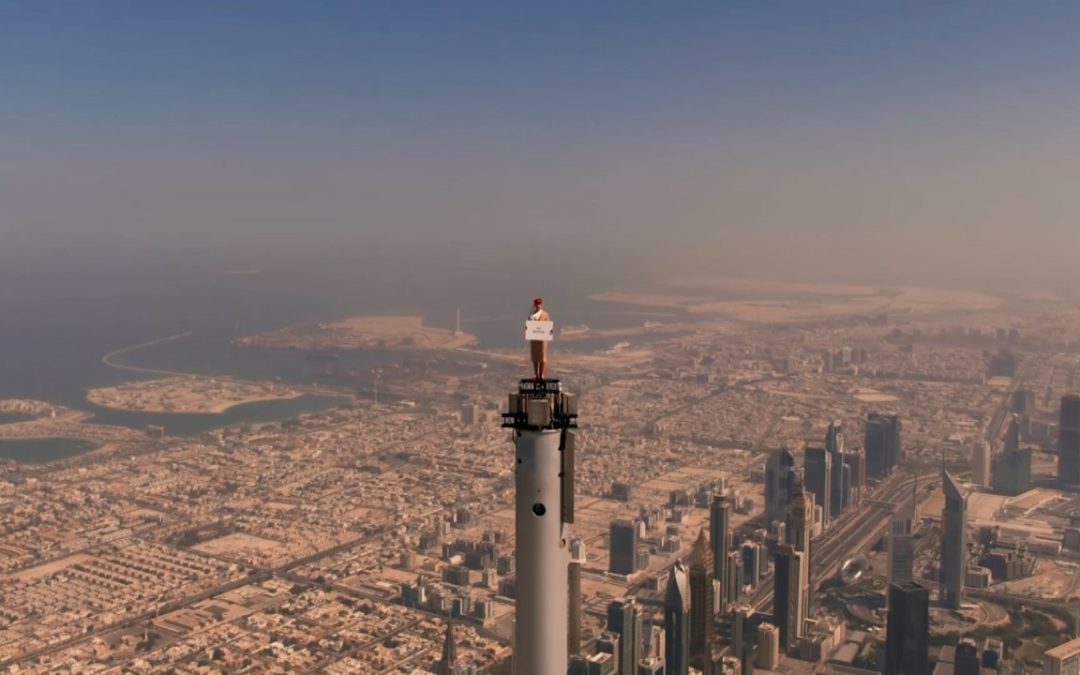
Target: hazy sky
905	141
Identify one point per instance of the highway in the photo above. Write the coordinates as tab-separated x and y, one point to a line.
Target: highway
853	533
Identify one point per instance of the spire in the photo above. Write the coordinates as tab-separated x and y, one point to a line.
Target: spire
448	664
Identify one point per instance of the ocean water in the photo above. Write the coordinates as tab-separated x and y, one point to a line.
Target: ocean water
61	314
41	450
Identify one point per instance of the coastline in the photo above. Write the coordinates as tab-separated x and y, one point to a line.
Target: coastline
219	408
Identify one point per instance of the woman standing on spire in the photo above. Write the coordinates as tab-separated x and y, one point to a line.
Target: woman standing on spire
538	348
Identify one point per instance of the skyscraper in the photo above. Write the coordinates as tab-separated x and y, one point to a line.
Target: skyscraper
907	638
966	661
677	622
573	633
448	663
900	544
856	462
1012	435
623	620
744	636
768	647
719	538
800	518
1068	472
882	444
980	463
751	553
779	481
839	487
701	602
789	607
953	542
623	545
733	588
901	550
834	437
1011	473
799	524
818	477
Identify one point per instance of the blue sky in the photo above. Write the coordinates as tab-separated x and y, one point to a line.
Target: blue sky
647	129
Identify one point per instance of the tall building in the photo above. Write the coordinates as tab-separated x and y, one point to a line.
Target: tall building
751	562
720	538
1011	473
780	477
768	647
1063	659
573	633
901	540
624	620
800	522
834	437
800	517
980	463
448	663
817	478
789	600
624	545
677	622
901	550
882	444
856	462
840	482
907	636
654	644
966	661
543	418
744	637
701	602
733	591
1068	472
953	542
1012	435
610	643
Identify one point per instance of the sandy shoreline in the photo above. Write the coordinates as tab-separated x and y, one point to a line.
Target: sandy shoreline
187	395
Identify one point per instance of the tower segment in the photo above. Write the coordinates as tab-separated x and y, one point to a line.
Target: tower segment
542	418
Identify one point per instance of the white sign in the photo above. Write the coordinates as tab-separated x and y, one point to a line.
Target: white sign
539	331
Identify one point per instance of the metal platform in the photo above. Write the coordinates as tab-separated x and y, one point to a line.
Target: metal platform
540	404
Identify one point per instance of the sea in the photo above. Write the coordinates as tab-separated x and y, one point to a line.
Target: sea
59	317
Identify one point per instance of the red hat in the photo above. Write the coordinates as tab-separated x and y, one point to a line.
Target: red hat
538	301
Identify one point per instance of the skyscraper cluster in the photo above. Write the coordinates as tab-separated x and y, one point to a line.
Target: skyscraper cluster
832	476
